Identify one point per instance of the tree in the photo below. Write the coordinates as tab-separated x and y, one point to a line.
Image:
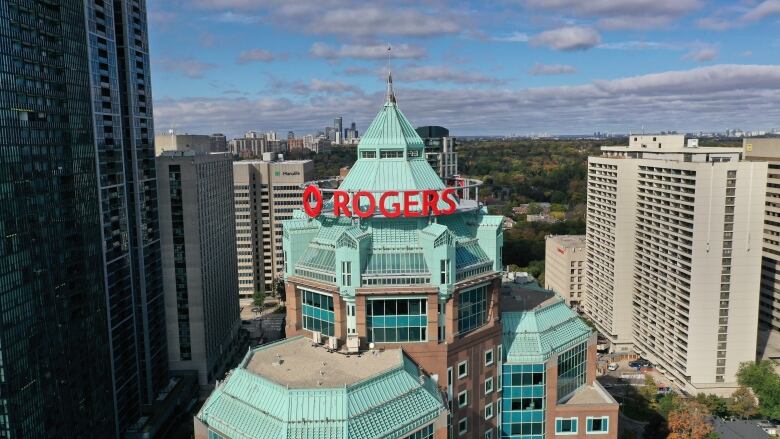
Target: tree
743	403
690	421
258	299
649	390
668	404
716	405
762	378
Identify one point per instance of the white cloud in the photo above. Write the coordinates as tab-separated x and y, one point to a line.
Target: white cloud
621	14
254	55
514	37
345	17
706	98
636	45
551	69
188	67
442	73
366	51
568	38
702	53
739	15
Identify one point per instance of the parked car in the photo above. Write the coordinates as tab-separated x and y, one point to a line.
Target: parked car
641	362
613	366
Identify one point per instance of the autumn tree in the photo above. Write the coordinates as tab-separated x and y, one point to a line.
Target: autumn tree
690	421
743	403
716	405
762	378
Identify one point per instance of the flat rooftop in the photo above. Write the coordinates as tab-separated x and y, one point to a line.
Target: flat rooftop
569	241
591	394
304	366
525	297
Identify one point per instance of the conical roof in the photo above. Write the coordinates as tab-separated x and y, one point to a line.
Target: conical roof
391	155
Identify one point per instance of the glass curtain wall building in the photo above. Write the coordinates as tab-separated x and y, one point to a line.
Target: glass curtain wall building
55	363
77	74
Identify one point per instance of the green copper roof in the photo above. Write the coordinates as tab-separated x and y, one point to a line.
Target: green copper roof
389	404
532	336
390	129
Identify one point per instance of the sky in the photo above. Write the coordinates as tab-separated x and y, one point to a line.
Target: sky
478	68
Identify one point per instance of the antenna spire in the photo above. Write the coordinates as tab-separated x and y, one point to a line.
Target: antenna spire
390	95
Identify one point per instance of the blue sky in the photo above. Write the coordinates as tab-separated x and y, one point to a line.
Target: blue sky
500	67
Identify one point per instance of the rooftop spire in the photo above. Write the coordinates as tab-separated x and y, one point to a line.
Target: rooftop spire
390	96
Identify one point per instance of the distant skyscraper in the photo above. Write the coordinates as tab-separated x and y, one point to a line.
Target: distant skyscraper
673	240
439	150
290	135
95	316
266	192
338	126
197	229
218	142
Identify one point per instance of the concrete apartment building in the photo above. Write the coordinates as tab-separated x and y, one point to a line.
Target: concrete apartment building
768	150
201	143
266	193
254	145
564	267
199	262
672	242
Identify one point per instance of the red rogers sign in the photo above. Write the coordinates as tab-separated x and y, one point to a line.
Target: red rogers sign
413	203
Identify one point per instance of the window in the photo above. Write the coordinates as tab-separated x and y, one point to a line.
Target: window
500	378
489	434
489	357
500	352
369	154
489	385
389	154
317	312
598	425
489	411
346	273
397	320
463	369
423	433
472	309
565	426
463	398
445	271
463	426
571	370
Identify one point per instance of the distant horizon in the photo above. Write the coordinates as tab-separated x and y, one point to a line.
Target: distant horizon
524	66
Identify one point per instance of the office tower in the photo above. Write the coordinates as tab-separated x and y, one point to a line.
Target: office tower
548	371
440	150
427	284
338	130
290	135
293	389
680	223
55	359
316	144
122	107
218	143
199	143
564	267
103	47
330	134
768	150
266	193
197	234
255	145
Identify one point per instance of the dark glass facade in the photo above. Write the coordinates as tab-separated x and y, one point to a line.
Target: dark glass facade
55	374
86	308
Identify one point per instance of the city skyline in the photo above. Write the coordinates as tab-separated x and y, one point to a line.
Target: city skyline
518	67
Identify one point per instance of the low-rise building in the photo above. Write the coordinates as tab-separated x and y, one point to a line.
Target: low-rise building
565	267
294	389
548	371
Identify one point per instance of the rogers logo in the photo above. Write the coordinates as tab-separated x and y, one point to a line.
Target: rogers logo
409	207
